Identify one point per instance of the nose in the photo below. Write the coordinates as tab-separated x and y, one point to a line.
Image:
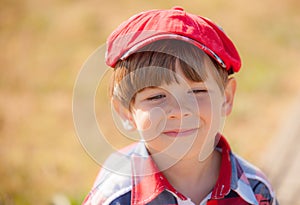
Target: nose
180	108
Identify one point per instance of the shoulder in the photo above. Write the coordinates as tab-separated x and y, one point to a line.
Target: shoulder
113	182
249	174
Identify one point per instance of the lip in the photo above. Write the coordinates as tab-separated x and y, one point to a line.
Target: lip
180	133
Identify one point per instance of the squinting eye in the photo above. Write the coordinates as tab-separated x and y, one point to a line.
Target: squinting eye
199	91
156	97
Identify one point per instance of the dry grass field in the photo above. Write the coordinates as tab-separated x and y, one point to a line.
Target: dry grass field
45	43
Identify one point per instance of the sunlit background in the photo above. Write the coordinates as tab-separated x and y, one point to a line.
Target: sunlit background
45	43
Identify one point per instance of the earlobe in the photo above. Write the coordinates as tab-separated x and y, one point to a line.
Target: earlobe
229	95
124	114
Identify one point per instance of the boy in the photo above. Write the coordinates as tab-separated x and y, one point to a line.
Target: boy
172	83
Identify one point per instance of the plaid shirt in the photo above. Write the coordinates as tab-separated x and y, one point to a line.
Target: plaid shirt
239	182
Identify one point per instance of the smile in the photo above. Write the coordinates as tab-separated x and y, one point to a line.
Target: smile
180	133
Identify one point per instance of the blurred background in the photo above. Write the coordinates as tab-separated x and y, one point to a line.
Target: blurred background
45	43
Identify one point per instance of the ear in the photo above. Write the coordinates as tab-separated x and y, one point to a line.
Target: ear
124	114
229	94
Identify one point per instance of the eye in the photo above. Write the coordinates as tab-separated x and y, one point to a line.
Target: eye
196	91
156	97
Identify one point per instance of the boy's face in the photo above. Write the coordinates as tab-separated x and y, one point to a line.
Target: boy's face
182	118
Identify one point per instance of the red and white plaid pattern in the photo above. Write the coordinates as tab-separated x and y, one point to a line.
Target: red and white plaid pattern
239	182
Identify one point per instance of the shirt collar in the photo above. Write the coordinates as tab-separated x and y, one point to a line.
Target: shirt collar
148	182
222	186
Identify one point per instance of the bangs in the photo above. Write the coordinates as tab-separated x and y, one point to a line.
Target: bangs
155	65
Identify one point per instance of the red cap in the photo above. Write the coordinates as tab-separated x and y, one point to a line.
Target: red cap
153	25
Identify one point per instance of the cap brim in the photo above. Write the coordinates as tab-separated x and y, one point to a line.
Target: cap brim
158	37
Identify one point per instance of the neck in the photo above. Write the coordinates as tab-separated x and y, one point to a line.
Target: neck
193	178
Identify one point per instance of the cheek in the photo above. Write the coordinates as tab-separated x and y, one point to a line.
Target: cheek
205	108
150	123
211	106
142	120
211	112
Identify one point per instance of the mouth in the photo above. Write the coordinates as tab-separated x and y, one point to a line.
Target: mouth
181	133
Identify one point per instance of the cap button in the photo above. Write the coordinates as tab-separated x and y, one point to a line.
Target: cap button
178	8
